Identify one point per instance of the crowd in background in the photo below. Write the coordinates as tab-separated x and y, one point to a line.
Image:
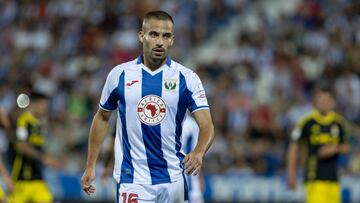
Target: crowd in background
257	88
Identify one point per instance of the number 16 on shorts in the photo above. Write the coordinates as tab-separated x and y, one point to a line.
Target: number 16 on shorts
129	197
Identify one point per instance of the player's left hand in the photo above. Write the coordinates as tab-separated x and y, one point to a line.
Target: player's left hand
328	150
193	162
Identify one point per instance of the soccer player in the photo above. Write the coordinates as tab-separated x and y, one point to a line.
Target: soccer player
28	155
151	95
5	123
323	131
189	136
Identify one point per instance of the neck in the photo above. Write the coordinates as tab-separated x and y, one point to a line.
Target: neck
32	112
323	113
153	64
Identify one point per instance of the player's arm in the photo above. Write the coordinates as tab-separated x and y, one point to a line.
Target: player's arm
343	147
293	153
206	127
330	150
5	123
99	126
97	133
3	170
26	149
6	177
292	158
4	119
193	161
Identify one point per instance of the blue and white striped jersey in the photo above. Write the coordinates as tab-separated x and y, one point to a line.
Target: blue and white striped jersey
151	106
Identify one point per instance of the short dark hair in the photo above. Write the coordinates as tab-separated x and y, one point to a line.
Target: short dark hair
324	86
35	95
160	15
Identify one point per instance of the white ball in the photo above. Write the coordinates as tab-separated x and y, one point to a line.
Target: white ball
23	100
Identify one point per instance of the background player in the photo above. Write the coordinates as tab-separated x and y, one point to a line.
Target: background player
323	132
152	94
189	137
5	123
28	155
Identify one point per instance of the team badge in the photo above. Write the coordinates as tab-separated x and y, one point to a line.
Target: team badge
170	84
151	110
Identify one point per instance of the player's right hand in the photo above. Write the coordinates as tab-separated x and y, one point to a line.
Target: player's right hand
193	162
291	182
328	150
87	179
9	183
53	161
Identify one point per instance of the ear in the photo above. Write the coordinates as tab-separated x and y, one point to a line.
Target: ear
141	36
172	40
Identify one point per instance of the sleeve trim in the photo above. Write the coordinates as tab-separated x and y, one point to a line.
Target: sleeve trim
105	109
199	108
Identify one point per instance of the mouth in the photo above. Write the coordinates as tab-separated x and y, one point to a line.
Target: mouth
158	51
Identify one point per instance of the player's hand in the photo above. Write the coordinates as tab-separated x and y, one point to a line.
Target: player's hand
52	161
328	150
9	183
193	162
291	182
87	179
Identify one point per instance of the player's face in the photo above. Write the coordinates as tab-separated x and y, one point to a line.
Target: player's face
157	38
41	106
324	102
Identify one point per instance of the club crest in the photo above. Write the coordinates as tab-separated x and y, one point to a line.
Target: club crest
170	84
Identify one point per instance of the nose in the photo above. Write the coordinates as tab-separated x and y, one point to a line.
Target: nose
159	42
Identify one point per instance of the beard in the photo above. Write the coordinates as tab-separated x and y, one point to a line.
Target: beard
158	59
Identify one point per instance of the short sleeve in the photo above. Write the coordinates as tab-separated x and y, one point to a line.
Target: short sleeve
110	95
296	134
299	130
197	97
21	129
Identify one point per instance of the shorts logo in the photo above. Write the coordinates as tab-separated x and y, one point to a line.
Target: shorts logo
151	110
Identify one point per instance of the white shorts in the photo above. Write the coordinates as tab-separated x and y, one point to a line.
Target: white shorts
195	193
175	192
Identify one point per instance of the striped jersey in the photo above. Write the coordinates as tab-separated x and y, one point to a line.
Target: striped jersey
151	106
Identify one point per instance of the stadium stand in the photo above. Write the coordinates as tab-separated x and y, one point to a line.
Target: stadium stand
258	62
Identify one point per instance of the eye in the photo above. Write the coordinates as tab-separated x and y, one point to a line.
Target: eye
167	36
153	34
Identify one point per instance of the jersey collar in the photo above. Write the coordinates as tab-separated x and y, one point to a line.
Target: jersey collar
140	60
324	119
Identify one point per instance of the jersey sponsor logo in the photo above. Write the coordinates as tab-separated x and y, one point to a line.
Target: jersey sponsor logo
131	83
170	84
151	110
323	138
